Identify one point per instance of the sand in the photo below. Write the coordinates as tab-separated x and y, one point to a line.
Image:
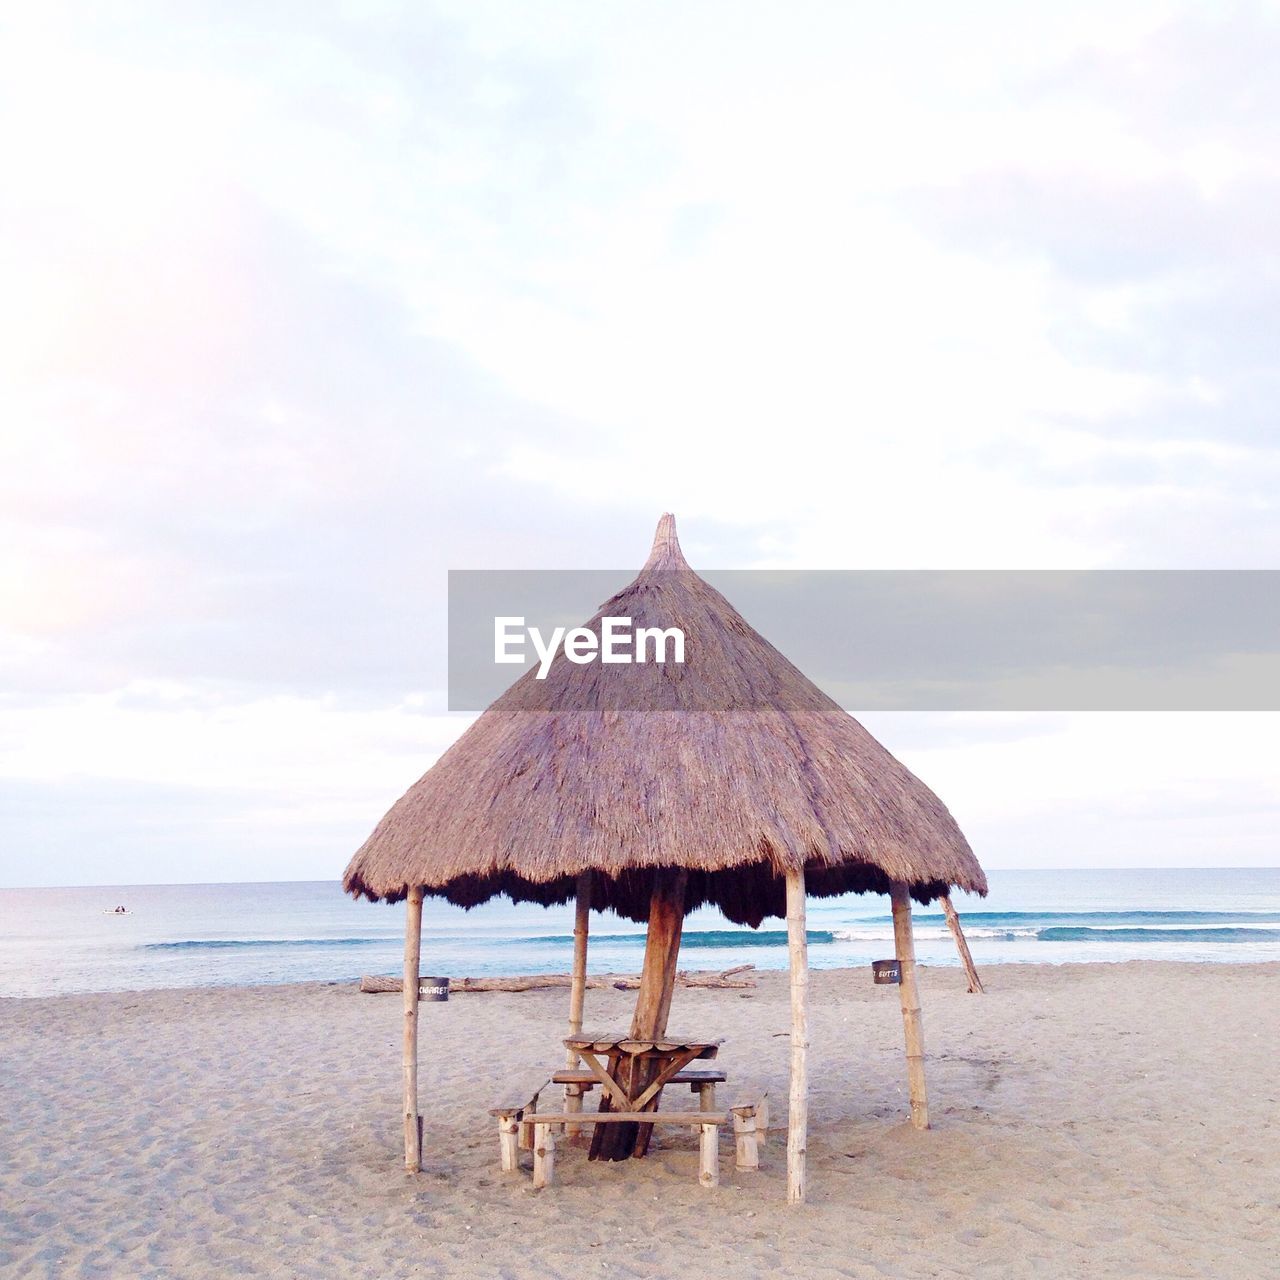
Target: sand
1100	1120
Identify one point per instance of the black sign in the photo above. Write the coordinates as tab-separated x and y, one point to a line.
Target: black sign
885	972
433	988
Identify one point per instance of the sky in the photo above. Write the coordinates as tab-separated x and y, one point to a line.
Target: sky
303	306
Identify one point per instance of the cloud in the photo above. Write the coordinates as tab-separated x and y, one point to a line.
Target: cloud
272	494
1156	224
1105	789
96	831
1104	229
300	315
1194	78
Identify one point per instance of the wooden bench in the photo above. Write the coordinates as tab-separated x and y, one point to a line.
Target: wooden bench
701	1080
523	1127
707	1122
515	1132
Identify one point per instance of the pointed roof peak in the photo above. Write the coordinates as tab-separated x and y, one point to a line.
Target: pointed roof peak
666	553
734	766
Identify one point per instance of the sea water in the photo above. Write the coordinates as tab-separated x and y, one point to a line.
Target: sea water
72	940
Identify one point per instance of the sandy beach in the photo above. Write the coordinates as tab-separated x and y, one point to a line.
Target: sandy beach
1110	1120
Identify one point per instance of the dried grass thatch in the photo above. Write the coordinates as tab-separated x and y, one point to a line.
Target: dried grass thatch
732	765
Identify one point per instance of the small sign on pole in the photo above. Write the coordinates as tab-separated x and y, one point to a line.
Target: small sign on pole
433	989
885	972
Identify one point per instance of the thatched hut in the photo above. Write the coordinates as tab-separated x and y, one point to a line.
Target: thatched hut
657	788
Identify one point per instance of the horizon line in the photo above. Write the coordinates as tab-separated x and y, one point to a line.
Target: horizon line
214	884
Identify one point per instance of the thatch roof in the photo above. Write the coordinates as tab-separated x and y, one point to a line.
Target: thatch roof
732	765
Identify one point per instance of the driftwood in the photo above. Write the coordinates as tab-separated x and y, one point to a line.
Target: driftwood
376	984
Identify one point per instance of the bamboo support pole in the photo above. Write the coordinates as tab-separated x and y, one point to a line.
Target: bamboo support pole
577	991
412	958
909	992
578	979
953	923
798	1117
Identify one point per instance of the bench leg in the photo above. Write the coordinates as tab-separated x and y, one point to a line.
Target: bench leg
746	1143
509	1143
706	1099
709	1156
544	1156
573	1103
526	1129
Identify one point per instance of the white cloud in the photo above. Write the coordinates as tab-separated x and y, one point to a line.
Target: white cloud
298	316
1106	789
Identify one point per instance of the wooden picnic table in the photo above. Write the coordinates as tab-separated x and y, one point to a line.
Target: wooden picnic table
632	1072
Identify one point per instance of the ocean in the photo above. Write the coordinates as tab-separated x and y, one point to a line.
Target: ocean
57	941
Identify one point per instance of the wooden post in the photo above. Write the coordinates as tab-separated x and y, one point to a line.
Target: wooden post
573	1107
661	951
798	1117
657	985
577	992
953	923
509	1143
578	979
653	1003
412	957
909	992
706	1100
746	1140
709	1156
544	1156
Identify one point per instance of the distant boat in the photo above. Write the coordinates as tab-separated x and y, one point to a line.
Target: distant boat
115	911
